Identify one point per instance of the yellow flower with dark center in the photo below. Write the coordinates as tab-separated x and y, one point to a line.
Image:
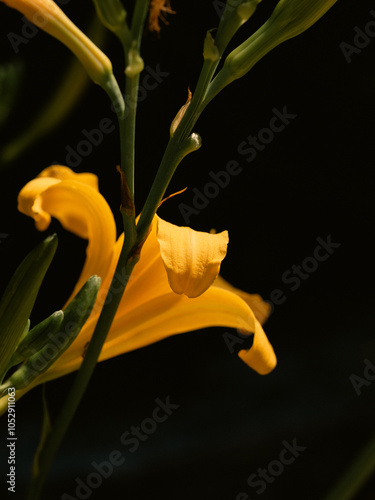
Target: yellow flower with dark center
173	288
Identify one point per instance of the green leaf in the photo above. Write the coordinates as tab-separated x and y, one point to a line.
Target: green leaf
56	342
19	298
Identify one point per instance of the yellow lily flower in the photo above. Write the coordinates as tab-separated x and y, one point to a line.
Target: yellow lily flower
186	260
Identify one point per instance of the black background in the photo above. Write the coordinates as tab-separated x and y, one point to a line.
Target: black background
313	180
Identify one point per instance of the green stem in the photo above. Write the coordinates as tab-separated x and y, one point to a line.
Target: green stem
356	475
194	109
127	128
173	156
128	259
178	147
127	131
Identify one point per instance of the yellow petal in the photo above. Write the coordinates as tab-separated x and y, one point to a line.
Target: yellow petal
260	308
166	315
261	356
30	201
171	314
191	258
48	16
65	173
80	208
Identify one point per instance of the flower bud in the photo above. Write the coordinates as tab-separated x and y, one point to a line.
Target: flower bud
289	19
48	16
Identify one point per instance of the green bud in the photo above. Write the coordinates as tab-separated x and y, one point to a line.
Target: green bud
79	309
19	298
289	19
37	337
247	9
236	13
57	342
191	144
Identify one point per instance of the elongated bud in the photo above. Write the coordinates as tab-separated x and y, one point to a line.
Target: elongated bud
289	19
48	16
235	15
19	298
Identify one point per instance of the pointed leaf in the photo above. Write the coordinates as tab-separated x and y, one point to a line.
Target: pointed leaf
19	298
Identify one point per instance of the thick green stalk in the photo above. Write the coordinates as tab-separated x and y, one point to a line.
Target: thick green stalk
127	131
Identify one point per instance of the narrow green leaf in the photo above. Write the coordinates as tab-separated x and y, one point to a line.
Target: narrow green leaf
19	298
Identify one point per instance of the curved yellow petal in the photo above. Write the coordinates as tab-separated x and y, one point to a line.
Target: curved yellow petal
148	278
80	208
171	314
65	173
30	201
260	308
167	315
191	258
261	356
